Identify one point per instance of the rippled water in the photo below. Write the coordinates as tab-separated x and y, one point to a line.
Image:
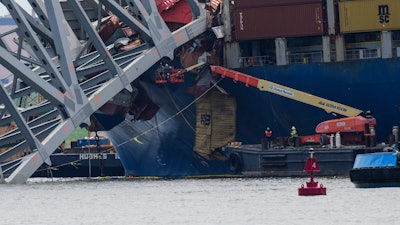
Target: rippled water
194	201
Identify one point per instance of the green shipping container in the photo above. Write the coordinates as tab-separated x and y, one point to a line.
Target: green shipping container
369	15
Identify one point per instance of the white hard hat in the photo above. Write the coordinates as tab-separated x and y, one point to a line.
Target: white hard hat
293	128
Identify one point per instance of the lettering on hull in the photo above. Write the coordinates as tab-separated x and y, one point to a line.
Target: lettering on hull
85	156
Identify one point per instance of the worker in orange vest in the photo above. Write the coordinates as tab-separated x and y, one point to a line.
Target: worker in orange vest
268	136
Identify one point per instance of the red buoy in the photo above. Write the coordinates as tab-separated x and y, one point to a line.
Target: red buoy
312	187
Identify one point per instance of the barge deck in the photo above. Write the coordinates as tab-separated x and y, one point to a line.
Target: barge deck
252	161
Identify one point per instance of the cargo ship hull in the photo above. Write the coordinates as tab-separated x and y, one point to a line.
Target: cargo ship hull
165	132
364	84
165	144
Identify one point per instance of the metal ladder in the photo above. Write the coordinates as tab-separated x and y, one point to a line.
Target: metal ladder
58	62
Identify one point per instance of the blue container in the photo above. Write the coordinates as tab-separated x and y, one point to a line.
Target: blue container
382	159
86	142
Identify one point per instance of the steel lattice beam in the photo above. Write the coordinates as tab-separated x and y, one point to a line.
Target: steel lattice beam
68	103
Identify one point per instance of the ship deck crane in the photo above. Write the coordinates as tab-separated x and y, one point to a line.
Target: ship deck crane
353	122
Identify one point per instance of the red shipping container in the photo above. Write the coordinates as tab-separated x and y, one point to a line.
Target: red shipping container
279	21
263	3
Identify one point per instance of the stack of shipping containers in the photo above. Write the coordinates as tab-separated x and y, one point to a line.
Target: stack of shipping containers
263	19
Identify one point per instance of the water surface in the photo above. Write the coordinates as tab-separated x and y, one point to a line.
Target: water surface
194	201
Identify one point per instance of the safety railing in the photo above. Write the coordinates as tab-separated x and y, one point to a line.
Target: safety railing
315	57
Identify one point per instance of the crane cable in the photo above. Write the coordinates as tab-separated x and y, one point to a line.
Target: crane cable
177	107
136	138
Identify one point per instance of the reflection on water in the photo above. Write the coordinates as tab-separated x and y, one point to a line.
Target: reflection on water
194	201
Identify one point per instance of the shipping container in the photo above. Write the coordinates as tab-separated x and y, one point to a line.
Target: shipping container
240	4
87	142
215	123
369	15
279	21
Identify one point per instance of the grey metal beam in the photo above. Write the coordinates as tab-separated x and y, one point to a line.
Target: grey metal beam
17	148
41	30
159	31
33	161
137	9
39	9
16	136
46	112
31	78
10	137
45	129
67	67
43	109
57	27
45	115
56	132
84	72
94	36
128	19
100	78
17	117
1	175
120	58
33	40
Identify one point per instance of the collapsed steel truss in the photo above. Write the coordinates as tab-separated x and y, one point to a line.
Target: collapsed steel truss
59	60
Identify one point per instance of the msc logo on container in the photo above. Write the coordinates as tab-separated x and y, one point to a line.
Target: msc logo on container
383	13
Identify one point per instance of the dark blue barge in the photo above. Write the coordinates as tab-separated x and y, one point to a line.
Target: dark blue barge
82	165
84	159
251	161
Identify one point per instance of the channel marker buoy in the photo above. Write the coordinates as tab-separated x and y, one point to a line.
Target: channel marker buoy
312	187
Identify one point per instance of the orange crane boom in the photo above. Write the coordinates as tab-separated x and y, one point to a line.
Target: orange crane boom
353	122
264	85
